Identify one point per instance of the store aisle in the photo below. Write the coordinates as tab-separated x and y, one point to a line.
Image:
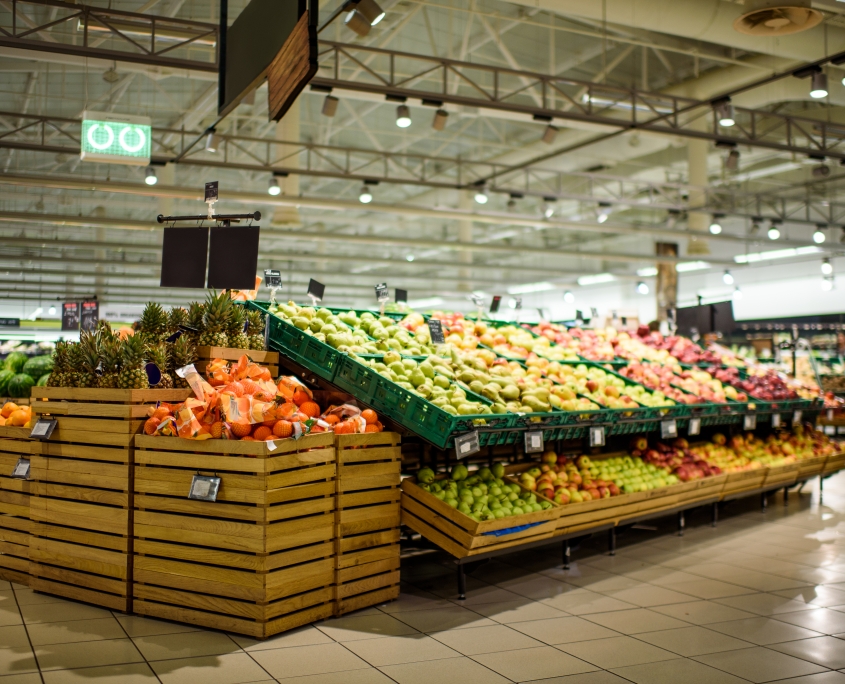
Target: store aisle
761	598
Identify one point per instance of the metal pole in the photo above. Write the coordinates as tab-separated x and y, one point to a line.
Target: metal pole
714	514
462	583
567	553
681	523
611	541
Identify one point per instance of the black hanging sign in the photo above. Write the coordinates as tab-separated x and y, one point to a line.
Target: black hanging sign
272	278
401	296
89	316
212	191
494	305
435	327
382	295
70	316
316	290
10	322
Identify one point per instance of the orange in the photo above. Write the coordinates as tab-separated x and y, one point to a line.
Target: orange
151	425
262	433
217	430
241	429
283	429
372	428
235	388
310	409
369	415
332	419
250	387
248	439
300	396
161	413
7	409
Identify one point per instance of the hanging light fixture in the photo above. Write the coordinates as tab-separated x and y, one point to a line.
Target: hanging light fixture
737	293
732	161
827	284
642	288
568	297
548	207
715	226
213	141
604	212
481	196
827	267
330	106
150	177
549	134
365	196
403	116
819	236
441	117
818	88
727	278
725	113
273	187
774	232
370	11
356	21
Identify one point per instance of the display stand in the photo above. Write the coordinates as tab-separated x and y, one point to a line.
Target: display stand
15	446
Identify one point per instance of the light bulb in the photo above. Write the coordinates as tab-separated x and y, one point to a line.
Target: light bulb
819	236
715	228
827	267
827	284
818	89
737	293
774	233
568	297
481	196
273	187
410	257
52	310
727	118
548	208
602	218
728	278
403	116
642	288
365	197
150	177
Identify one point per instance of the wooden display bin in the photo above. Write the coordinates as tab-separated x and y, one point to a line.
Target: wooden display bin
368	518
684	494
81	503
14	506
269	359
257	561
462	536
781	475
834	464
810	467
742	481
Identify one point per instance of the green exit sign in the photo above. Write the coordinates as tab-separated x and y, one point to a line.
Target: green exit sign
116	139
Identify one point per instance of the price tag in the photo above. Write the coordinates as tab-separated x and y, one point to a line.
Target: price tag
830	429
749	421
272	278
830	414
21	470
775	420
204	488
517	303
435	327
534	442
467	445
668	429
212	191
382	295
43	428
494	305
694	427
478	300
796	417
401	296
597	436
840	430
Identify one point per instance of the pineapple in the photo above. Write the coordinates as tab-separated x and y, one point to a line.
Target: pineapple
90	359
216	320
132	373
235	331
176	318
153	324
71	378
58	377
182	353
256	329
196	312
110	356
158	355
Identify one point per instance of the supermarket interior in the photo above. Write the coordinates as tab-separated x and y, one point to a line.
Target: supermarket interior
413	341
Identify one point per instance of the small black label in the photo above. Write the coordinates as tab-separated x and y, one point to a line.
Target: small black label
10	322
70	316
89	316
153	374
435	327
175	336
401	296
316	290
467	445
382	295
494	305
272	278
212	191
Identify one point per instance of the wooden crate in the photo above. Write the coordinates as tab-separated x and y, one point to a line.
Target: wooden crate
259	560
810	467
81	503
742	481
269	359
834	463
368	518
781	475
462	536
14	506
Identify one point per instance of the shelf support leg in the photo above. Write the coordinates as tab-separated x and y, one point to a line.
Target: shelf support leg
764	502
681	523
786	496
567	553
714	514
462	583
611	541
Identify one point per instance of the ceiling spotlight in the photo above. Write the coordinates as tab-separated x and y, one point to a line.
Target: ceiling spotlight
774	232
725	112
715	226
212	142
441	116
365	196
150	178
827	267
732	161
403	116
410	257
821	171
604	212
755	229
737	293
727	278
330	105
548	207
819	236
549	134
358	23
827	284
642	288
818	89
481	196
568	297
52	310
370	10
273	188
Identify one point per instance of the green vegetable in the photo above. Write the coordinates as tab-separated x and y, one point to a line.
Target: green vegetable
38	366
5	376
15	362
42	381
20	386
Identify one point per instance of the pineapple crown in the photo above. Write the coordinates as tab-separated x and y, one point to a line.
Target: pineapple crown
158	355
153	320
133	351
89	351
237	319
218	308
196	313
60	356
182	352
256	322
177	316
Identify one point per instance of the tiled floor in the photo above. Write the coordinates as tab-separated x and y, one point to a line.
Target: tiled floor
761	598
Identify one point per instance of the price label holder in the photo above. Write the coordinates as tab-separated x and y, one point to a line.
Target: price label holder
668	429
267	332
840	430
401	296
316	291
830	429
797	416
21	469
212	194
467	445
495	304
694	427
204	488
830	414
43	429
272	278
435	328
597	436
534	443
749	421
382	295
775	420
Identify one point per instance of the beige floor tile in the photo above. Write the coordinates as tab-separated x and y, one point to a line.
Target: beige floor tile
584	602
564	630
485	640
9	615
533	663
820	596
29	678
412	599
763	630
679	671
518	611
764	604
443	619
5	586
485	594
692	641
821	678
308	660
605	583
369	676
709	589
461	670
14	636
618	651
234	668
823	620
355	627
136	673
137	626
399	650
62	612
599	677
75	631
759	664
648	595
304	636
27	597
17	661
826	650
185	645
635	621
702	612
87	654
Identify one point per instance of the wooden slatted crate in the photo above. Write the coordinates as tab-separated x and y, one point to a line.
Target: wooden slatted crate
259	560
742	481
810	467
781	475
834	463
268	359
368	519
14	506
81	503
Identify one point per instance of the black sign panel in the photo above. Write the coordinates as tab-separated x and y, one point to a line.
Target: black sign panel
233	257
435	327
316	290
184	255
212	191
10	322
382	295
70	316
272	278
401	295
89	316
494	305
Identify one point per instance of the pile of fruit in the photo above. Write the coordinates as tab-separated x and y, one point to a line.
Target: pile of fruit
19	373
240	401
748	452
759	384
606	388
12	415
482	495
681	348
571	345
676	458
698	385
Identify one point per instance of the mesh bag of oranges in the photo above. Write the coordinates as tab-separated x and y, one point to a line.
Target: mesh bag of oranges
347	419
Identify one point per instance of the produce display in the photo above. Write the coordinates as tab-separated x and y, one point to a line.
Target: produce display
677	458
748	452
684	386
12	415
607	389
758	383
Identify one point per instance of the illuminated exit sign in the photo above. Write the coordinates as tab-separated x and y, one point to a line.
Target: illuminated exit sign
116	139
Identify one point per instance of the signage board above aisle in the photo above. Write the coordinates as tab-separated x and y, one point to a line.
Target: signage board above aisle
115	139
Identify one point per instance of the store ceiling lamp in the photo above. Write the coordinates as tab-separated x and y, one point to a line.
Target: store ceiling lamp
371	11
410	257
150	177
356	21
274	188
441	117
604	212
827	284
642	288
732	161
52	310
481	196
821	171
774	232
365	196
403	116
548	207
727	278
549	134
818	88
819	236
568	297
330	105
725	112
715	226
213	141
827	267
737	293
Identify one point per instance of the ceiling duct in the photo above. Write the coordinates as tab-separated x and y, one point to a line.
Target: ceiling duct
777	17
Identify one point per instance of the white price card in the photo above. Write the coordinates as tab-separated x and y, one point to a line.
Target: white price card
797	416
21	469
694	427
668	429
597	436
775	420
467	445
204	488
43	428
534	442
749	421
